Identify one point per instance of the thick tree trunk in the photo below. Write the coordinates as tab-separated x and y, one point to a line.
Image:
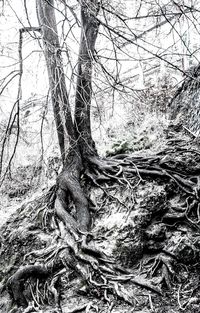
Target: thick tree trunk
69	183
69	179
89	9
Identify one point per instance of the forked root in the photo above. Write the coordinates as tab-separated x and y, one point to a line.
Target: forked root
74	251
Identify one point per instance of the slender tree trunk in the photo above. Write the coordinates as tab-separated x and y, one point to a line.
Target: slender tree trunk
89	9
52	52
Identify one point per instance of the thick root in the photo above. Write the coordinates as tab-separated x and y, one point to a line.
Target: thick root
15	284
69	184
74	252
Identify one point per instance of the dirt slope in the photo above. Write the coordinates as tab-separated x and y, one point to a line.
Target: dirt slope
145	221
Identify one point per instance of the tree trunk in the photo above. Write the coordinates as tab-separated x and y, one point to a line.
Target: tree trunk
89	9
52	52
69	179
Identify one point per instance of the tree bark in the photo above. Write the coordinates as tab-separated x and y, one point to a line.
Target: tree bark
52	52
90	26
79	136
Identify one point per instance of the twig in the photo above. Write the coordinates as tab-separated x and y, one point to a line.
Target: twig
190	132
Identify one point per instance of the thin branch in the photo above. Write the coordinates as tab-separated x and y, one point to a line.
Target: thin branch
15	108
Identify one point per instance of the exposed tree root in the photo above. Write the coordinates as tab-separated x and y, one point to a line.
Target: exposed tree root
15	284
72	246
69	183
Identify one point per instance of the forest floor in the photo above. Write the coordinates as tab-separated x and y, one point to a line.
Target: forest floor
147	224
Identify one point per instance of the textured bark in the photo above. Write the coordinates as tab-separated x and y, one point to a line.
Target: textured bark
78	135
89	9
69	182
52	52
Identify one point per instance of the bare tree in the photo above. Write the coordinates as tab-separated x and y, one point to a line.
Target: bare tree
75	140
77	134
79	156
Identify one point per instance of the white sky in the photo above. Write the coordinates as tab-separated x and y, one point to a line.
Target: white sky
35	79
